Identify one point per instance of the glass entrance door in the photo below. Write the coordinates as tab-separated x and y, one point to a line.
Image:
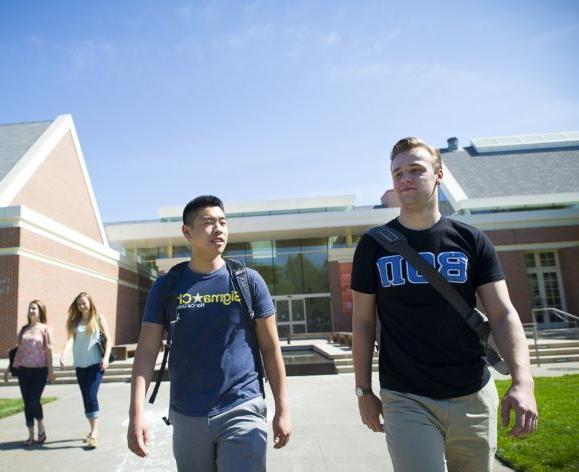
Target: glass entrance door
291	315
297	314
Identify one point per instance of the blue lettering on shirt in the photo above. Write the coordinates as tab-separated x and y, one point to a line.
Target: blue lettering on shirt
452	265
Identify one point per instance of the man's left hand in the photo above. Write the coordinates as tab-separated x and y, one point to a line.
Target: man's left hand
282	429
521	398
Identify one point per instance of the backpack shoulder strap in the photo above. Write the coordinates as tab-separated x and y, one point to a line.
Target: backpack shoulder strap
238	272
167	293
240	277
168	290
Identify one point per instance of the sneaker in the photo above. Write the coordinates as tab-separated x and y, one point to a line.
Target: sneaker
92	443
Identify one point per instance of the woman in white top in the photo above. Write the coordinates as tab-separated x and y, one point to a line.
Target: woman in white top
84	326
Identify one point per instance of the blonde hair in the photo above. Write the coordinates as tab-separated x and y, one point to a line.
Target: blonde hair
74	316
405	144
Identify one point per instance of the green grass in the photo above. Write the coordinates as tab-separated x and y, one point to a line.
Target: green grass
11	406
555	446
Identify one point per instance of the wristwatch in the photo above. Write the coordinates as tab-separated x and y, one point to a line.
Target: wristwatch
361	391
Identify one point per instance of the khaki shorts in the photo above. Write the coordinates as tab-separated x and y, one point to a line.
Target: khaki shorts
454	435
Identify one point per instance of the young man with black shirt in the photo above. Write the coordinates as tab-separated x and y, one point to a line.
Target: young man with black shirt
217	411
438	401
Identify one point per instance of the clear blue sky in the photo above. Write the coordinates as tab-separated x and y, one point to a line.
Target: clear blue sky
258	100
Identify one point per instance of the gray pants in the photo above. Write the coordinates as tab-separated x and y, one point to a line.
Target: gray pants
235	440
454	435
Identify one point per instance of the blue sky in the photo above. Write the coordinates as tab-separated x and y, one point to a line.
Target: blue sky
259	100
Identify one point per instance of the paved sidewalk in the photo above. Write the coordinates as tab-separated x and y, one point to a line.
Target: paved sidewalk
328	435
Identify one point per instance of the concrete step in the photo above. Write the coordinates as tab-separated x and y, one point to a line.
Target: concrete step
566	345
67	375
555	351
554	359
350	369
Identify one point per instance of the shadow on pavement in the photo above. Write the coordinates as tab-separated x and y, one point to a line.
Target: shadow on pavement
47	446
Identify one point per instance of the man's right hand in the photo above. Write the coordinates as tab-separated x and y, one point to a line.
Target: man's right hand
138	435
370	408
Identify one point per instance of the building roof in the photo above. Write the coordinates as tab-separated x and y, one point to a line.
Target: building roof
507	176
515	173
15	140
24	148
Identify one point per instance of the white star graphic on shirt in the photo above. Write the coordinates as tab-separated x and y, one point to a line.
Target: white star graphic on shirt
197	298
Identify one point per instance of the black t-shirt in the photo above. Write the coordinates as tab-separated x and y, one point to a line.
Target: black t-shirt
426	348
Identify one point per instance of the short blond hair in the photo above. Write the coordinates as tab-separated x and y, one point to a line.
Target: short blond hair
405	144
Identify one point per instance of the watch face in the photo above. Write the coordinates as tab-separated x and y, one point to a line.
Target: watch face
360	392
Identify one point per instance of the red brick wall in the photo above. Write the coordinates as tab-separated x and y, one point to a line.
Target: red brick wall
39	244
534	235
9	310
516	277
58	190
9	237
58	286
23	278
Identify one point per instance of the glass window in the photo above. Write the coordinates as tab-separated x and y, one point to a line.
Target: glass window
547	259
544	283
316	245
535	291
236	249
529	259
288	274
319	315
282	311
260	248
181	251
148	253
264	265
315	271
287	246
552	289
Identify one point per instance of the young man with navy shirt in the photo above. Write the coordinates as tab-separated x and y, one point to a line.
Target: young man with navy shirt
438	401
218	414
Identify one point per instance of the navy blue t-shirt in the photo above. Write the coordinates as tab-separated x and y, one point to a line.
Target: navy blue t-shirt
212	364
426	348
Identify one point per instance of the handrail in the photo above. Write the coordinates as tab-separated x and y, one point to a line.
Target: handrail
535	338
563	315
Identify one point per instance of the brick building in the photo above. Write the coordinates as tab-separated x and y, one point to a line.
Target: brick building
523	191
52	242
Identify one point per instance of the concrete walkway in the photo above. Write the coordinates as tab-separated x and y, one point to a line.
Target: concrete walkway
328	434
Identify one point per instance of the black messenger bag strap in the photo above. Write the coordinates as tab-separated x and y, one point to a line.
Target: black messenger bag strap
394	241
238	272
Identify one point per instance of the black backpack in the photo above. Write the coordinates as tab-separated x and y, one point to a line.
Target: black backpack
238	274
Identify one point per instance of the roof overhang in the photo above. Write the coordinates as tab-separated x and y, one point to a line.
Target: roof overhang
23	170
259	228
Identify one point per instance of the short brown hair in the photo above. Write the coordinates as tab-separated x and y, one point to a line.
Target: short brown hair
405	144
